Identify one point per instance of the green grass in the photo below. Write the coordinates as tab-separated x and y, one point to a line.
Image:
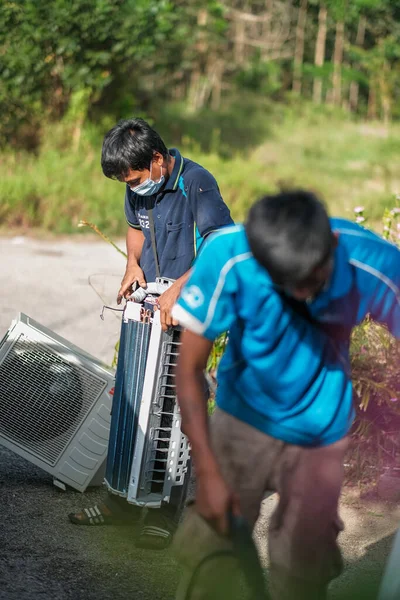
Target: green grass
347	163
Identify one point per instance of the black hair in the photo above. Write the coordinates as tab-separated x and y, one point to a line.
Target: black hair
130	144
289	235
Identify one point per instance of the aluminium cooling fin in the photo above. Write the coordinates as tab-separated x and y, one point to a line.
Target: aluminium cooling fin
148	453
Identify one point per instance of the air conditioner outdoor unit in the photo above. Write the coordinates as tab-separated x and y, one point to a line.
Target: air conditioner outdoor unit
55	404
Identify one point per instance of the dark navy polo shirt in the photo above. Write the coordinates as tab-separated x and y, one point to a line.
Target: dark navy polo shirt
185	211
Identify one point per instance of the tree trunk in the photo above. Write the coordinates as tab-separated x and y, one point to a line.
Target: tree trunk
217	85
195	93
239	42
266	27
299	47
353	95
319	57
337	63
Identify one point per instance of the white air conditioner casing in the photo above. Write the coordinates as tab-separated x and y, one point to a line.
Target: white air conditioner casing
55	404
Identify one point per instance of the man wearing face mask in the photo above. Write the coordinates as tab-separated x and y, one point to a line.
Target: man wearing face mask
171	205
177	196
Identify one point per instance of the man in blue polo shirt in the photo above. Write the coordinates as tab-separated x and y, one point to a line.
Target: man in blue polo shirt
171	205
168	194
289	286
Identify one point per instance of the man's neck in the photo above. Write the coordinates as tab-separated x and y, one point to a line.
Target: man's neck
170	165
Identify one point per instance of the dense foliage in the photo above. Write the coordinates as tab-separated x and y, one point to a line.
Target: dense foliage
83	59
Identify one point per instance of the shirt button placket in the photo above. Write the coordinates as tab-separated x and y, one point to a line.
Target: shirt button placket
158	199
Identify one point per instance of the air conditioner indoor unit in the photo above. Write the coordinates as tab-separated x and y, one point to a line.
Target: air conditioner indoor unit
55	404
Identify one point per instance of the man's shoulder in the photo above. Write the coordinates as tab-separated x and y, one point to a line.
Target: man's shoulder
225	250
231	240
347	227
367	250
194	172
354	236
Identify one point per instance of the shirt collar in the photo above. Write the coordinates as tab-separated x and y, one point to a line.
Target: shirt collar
173	179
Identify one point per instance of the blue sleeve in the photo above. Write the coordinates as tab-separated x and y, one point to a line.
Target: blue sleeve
208	208
130	213
385	303
207	302
389	313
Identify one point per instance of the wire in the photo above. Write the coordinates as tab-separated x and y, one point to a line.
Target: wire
109	308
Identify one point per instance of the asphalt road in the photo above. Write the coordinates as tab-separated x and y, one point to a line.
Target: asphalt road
42	555
49	281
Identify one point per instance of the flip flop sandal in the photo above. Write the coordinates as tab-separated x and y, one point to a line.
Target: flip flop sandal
153	538
156	532
95	516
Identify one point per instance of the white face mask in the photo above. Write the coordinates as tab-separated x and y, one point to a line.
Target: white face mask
149	187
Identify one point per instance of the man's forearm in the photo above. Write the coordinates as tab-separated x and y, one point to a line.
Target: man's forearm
181	281
214	497
194	425
193	405
134	245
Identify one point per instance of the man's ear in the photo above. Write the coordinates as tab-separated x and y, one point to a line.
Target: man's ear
335	238
158	158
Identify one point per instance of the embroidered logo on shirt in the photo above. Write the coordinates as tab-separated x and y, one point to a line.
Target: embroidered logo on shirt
144	221
193	296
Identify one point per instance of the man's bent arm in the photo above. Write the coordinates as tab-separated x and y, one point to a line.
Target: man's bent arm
192	400
168	299
133	272
214	498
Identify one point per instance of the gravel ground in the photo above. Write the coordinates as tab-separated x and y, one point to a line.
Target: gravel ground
42	555
45	556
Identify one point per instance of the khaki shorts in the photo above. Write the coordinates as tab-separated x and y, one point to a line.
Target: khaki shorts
304	526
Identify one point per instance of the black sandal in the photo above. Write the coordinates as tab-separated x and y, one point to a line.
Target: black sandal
156	532
100	514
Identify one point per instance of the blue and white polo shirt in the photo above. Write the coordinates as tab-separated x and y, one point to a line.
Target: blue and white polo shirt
280	373
186	210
